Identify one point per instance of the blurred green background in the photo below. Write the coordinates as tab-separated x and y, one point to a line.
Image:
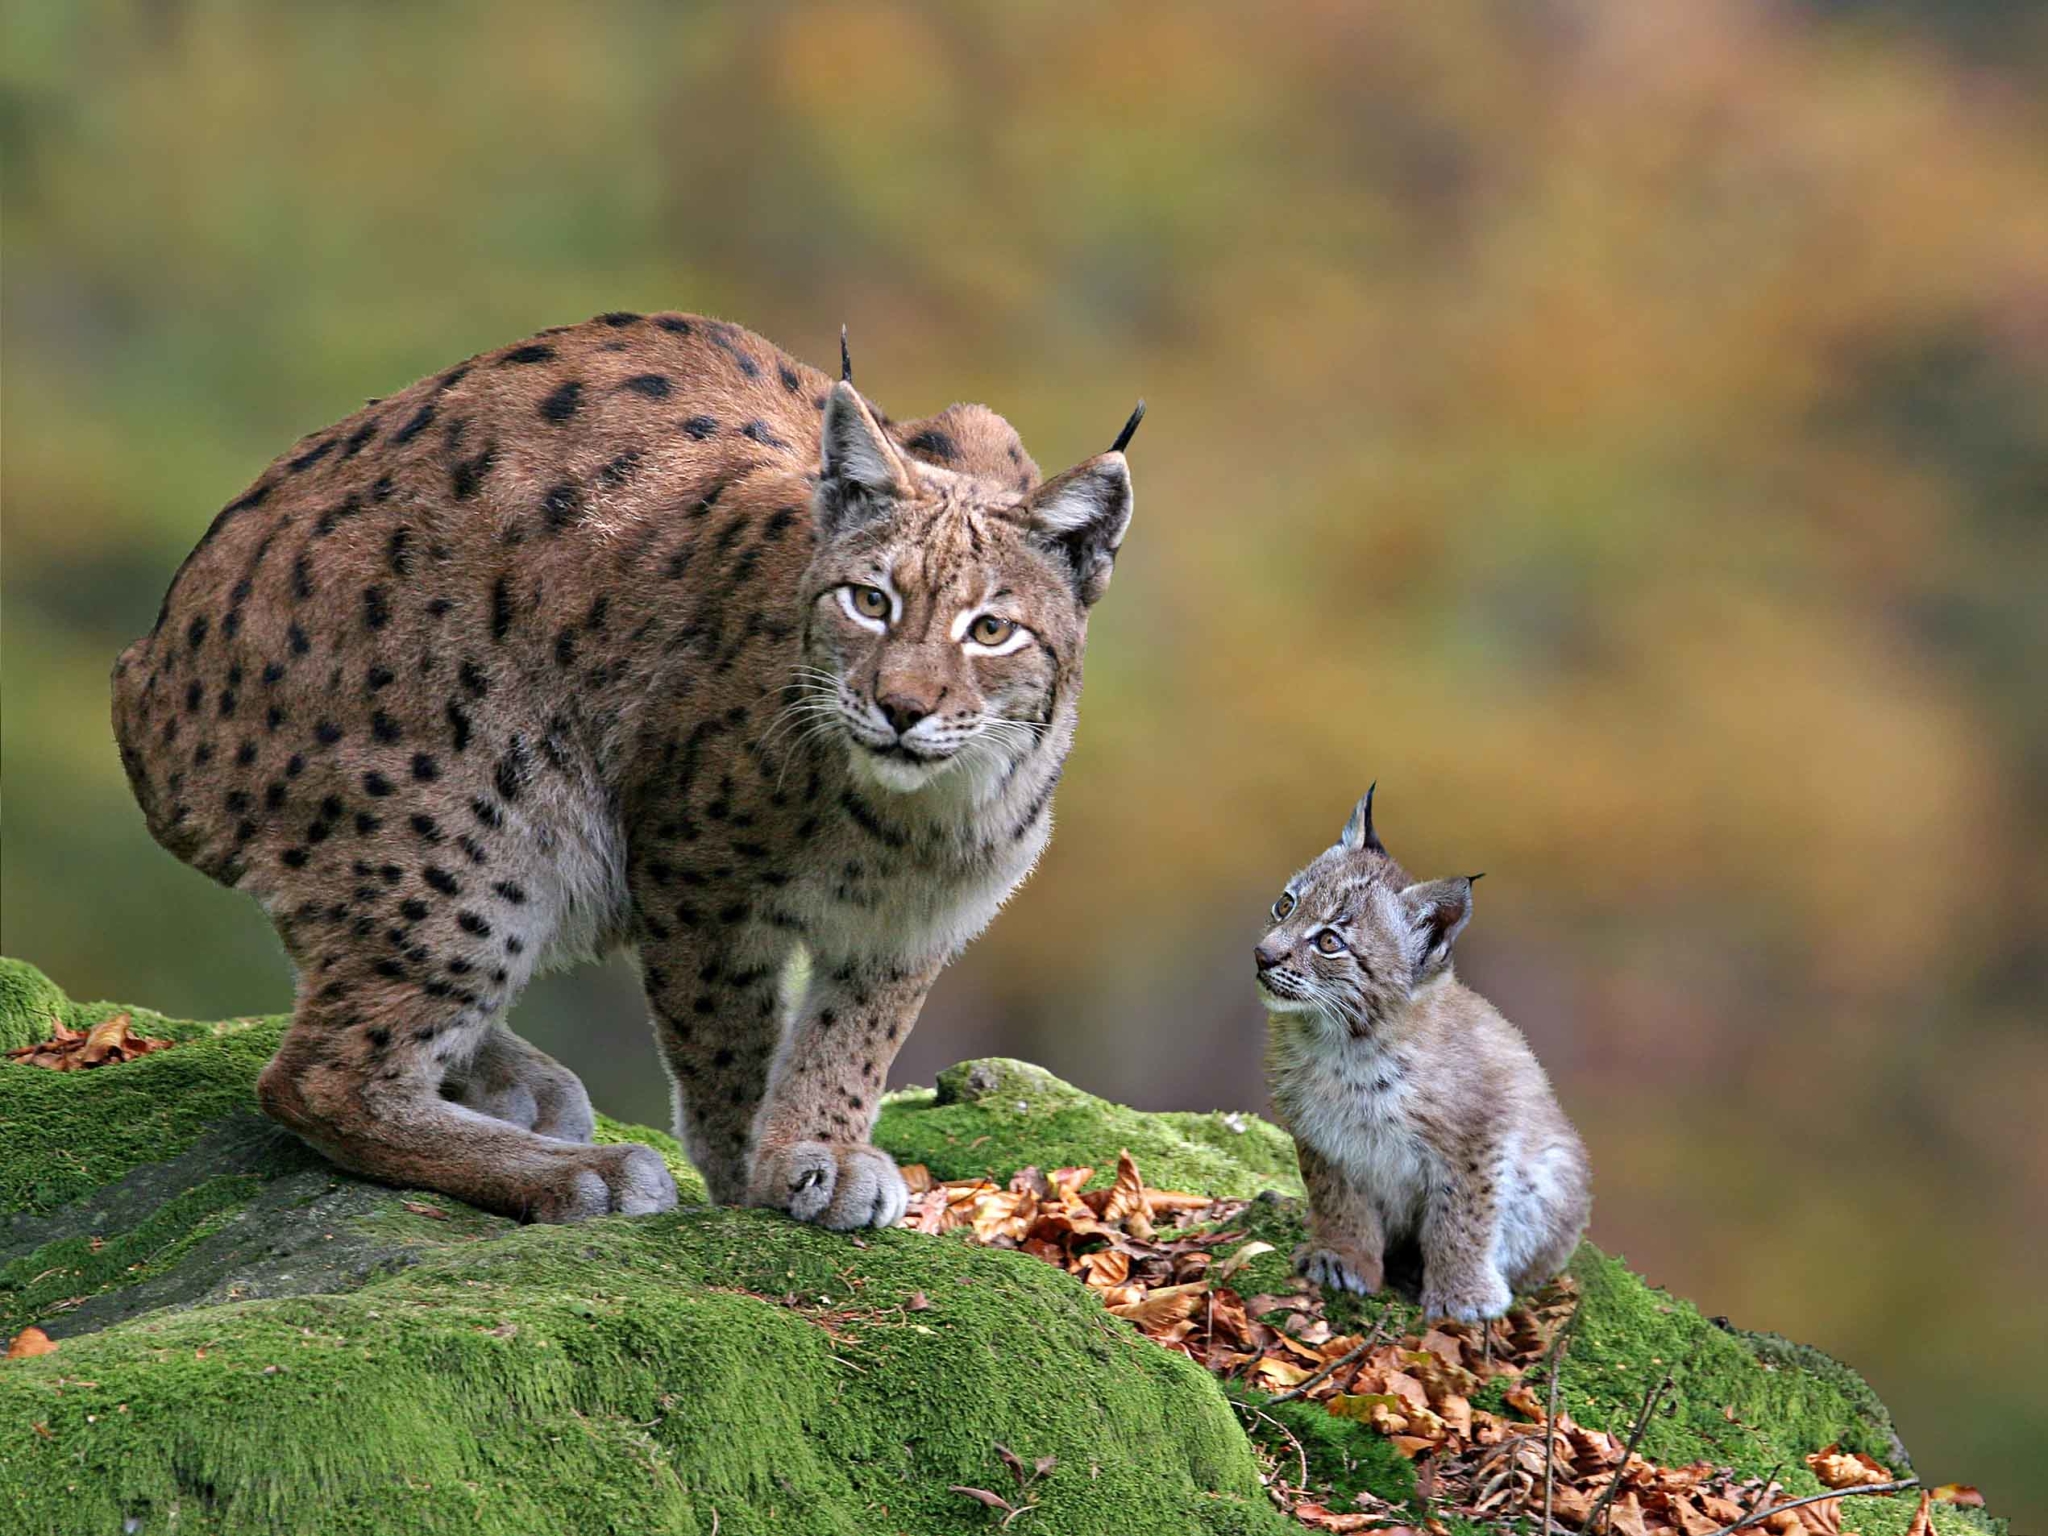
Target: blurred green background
1619	429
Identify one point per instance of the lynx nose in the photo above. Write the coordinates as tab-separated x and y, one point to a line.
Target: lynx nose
902	711
1266	958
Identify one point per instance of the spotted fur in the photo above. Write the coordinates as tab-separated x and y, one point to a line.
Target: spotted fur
1427	1133
552	652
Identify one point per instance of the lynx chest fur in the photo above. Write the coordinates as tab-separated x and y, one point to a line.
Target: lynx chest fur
636	632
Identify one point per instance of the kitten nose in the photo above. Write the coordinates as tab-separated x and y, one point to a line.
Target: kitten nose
1266	958
902	711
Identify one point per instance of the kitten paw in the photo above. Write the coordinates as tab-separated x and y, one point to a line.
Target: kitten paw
1333	1272
837	1184
1469	1299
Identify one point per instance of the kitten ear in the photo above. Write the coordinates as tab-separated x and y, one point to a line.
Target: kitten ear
1358	835
1438	911
1080	518
859	470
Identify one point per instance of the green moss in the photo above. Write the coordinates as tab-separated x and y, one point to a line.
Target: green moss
267	1344
631	1376
70	1269
990	1118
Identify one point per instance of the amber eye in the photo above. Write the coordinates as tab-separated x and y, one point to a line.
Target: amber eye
1328	943
990	630
1284	905
871	602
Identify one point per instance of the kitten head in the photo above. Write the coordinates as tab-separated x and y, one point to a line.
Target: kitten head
1352	938
946	610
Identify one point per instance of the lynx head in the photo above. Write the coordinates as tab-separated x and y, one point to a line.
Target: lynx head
1352	938
946	609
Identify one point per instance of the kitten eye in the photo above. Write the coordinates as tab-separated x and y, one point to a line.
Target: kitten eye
1284	905
870	602
1328	943
990	630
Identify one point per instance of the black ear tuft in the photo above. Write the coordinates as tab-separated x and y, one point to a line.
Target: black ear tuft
1123	438
845	359
1082	516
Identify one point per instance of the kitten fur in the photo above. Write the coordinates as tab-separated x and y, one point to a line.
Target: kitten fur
637	632
1424	1126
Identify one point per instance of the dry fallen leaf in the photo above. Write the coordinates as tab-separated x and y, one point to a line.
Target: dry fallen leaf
29	1343
1837	1468
431	1212
1958	1493
1923	1521
108	1042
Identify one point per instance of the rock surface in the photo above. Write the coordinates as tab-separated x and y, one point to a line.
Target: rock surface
252	1341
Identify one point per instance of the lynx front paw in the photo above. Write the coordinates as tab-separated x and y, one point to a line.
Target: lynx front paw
628	1179
1467	1298
837	1184
1337	1272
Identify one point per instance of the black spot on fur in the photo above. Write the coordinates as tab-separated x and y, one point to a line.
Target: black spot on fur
513	893
195	632
327	733
311	456
468	475
501	608
470	922
376	607
379	678
358	438
619	317
296	638
474	678
383	727
620	470
458	725
675	324
561	404
441	880
561	506
421	420
534	352
376	784
934	444
424	768
514	769
655	386
701	427
760	432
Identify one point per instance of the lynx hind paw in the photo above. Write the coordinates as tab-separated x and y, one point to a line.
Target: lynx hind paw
1328	1270
836	1184
1472	1300
625	1180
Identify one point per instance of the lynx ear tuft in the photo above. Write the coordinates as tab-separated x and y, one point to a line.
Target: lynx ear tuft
845	359
1123	438
1081	517
1438	911
859	472
1358	835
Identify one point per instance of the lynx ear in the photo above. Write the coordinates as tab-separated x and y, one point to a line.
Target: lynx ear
1358	834
859	470
1438	911
1080	517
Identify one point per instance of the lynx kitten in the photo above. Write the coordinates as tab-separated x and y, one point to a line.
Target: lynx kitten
1424	1126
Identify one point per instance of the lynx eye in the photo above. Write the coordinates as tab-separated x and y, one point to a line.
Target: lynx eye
1327	942
870	602
1284	905
990	630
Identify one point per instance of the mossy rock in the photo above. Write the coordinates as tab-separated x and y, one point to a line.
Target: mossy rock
251	1340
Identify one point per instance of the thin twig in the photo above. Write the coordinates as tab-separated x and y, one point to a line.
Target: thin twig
1764	1491
1324	1372
1558	1346
1300	1455
1814	1498
1605	1503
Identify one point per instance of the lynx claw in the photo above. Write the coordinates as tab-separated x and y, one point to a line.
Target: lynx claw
838	1185
1331	1272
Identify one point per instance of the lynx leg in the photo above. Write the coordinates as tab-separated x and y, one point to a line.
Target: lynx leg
717	1009
1460	1231
812	1157
509	1079
360	1074
1346	1247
